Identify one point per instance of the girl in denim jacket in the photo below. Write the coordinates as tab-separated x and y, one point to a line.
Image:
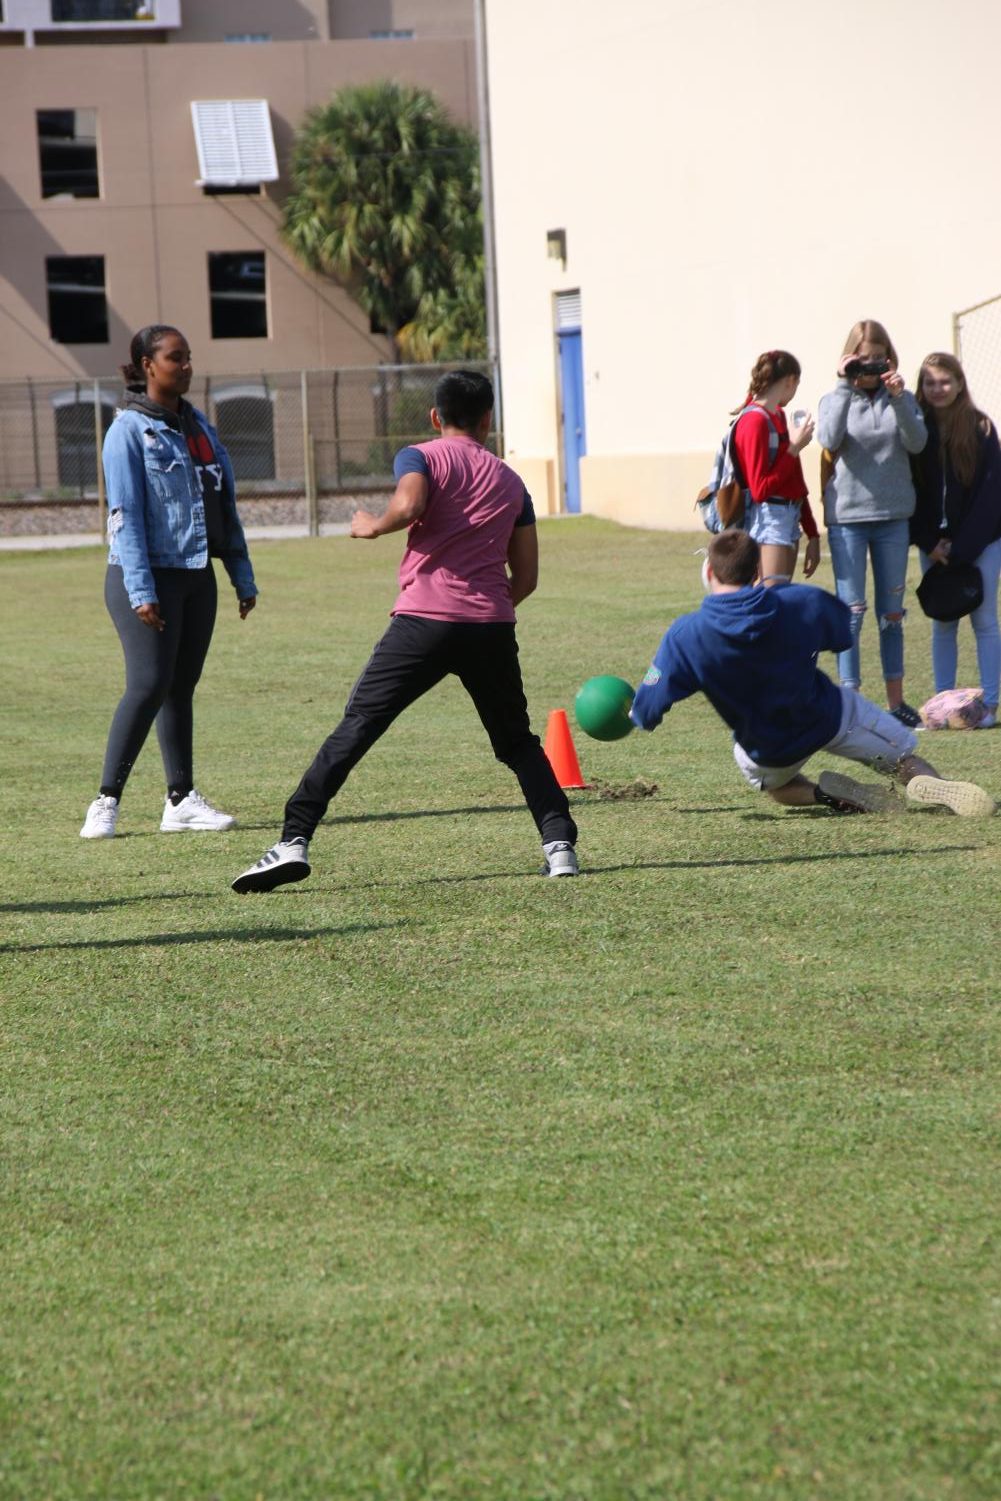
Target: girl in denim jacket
171	509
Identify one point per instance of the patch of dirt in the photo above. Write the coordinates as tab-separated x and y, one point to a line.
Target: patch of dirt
628	792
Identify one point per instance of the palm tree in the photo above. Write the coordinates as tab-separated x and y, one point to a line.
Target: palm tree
386	199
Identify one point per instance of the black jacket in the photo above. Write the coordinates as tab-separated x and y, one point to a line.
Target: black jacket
969	515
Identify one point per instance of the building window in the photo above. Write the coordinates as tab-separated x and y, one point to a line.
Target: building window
78	307
238	296
103	10
248	36
67	153
76	438
245	418
396	34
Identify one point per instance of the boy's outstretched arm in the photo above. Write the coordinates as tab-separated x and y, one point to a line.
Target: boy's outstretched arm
668	680
408	504
523	561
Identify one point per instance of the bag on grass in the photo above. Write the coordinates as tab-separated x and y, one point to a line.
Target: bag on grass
723	502
955	709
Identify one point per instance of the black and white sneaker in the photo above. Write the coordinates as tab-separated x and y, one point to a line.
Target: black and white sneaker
907	715
561	859
282	863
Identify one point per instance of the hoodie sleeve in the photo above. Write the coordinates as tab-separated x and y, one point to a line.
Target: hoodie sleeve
668	680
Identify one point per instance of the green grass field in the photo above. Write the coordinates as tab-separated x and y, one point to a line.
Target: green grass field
430	1178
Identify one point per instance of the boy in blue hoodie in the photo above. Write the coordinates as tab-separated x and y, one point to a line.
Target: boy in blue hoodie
753	652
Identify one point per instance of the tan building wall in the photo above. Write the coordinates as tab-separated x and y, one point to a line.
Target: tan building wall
425	18
281	20
731	178
152	224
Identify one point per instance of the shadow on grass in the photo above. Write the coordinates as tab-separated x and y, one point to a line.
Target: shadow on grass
895	853
216	935
99	903
721	864
395	816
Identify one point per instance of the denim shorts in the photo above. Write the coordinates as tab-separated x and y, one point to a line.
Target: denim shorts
775	524
866	733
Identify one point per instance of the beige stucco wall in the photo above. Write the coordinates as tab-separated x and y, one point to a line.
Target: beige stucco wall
426	18
153	225
721	195
282	20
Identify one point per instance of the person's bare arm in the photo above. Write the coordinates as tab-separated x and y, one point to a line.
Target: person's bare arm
407	505
523	561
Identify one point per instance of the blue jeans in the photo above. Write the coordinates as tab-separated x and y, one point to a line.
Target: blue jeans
945	633
851	544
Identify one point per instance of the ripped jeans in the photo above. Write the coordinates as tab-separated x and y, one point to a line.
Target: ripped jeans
851	544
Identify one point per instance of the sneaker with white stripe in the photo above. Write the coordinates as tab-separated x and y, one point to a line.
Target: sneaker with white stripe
284	862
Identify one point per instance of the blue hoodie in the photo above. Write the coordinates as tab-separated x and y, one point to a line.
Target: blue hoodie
753	653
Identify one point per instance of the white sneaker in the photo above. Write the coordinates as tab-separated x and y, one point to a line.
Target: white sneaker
561	859
193	812
102	815
282	863
964	798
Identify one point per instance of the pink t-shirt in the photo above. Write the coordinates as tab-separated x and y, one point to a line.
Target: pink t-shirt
455	565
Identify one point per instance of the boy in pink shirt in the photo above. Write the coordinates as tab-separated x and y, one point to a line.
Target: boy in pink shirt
471	557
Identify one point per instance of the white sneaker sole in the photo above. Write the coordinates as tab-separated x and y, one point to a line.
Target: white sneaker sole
964	798
97	833
216	827
870	797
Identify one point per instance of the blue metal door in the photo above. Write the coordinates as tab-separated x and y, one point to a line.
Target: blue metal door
572	404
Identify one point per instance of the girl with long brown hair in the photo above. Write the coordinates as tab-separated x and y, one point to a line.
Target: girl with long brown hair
870	425
958	514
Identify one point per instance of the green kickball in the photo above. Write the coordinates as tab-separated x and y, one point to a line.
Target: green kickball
602	708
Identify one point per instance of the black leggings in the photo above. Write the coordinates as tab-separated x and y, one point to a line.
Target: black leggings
161	670
414	654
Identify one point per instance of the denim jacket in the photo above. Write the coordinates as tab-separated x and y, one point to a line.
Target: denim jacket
156	516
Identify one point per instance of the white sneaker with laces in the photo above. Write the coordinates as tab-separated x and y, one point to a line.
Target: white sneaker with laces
193	812
102	816
561	859
964	798
282	863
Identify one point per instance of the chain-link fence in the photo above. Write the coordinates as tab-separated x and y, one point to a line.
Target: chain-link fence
306	440
976	337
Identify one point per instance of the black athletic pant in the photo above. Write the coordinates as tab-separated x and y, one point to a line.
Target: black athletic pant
161	671
414	654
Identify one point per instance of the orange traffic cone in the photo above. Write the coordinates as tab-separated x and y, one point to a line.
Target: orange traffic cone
559	749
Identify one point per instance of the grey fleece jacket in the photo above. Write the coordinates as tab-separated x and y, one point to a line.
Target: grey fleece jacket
872	437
